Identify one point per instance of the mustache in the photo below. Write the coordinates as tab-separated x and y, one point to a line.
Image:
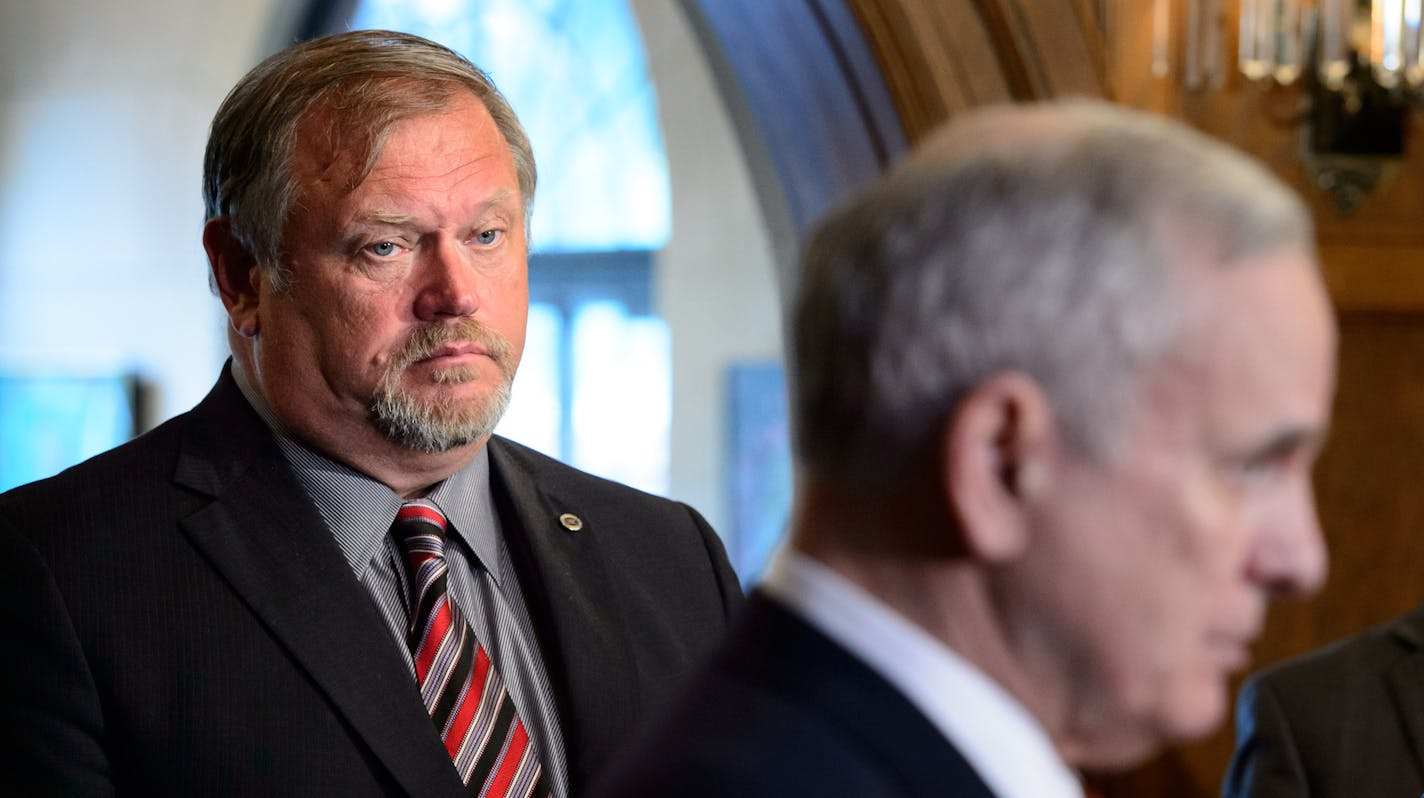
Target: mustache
426	339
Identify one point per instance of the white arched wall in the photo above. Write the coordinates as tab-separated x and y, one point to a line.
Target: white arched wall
716	277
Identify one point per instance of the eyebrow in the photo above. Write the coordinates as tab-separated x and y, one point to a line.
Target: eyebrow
384	218
389	218
1286	440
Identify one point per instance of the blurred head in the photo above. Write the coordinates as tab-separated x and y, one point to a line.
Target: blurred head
1103	338
368	196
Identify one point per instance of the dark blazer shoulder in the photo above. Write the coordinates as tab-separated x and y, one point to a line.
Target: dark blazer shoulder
149	458
1362	656
625	590
780	709
1344	720
110	502
636	531
199	527
144	484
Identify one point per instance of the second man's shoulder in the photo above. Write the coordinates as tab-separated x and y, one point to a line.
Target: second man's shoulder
1360	657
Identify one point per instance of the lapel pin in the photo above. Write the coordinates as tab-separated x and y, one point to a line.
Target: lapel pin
571	522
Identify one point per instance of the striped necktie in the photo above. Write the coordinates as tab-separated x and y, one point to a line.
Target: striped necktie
459	684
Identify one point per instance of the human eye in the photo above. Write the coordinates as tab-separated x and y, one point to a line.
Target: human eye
1260	469
488	238
383	249
1271	464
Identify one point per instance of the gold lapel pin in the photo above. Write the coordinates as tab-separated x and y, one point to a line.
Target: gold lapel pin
571	522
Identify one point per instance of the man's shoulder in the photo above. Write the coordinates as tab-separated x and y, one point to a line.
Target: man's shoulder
109	508
217	425
148	457
1362	656
772	647
725	732
776	679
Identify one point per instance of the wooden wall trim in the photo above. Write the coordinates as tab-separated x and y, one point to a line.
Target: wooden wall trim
1384	278
812	113
941	57
877	110
813	101
1062	45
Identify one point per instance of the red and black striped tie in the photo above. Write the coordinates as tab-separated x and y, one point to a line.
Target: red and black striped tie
461	688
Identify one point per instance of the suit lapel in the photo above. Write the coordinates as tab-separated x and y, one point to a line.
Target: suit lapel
568	590
265	538
1406	681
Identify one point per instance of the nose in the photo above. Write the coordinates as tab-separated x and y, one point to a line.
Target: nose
1290	557
448	284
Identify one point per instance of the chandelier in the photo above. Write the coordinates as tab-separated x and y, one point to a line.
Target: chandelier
1356	66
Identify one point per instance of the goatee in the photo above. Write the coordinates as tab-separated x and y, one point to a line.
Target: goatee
443	422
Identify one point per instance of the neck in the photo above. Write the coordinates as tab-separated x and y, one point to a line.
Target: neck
904	550
409	474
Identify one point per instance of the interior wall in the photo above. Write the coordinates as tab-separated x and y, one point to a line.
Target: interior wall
716	277
104	107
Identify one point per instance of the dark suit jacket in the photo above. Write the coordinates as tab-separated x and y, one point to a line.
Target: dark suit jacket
177	620
781	710
1343	722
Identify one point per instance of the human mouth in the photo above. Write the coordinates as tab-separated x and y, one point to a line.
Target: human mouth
1232	652
453	349
452	353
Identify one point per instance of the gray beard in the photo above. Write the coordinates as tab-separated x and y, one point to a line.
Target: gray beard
441	424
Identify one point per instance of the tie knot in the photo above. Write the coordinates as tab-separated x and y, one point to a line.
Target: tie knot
421	513
419	532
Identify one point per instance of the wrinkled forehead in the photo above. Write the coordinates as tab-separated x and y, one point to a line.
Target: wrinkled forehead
341	136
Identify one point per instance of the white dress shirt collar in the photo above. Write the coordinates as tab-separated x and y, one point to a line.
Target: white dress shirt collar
998	737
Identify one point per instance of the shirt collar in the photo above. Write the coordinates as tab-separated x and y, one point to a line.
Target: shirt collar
359	510
1002	742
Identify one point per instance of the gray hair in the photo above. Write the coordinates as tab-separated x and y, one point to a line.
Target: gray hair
1038	239
365	81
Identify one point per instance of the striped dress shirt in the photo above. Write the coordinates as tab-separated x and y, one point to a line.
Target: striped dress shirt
359	510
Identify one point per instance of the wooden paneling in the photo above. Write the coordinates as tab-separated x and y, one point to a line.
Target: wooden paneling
1059	43
1375	277
940	57
1372	255
931	84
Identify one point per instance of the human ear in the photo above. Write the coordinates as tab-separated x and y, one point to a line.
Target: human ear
993	463
236	276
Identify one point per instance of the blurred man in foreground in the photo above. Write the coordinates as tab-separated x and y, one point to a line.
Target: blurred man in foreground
1059	382
329	578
